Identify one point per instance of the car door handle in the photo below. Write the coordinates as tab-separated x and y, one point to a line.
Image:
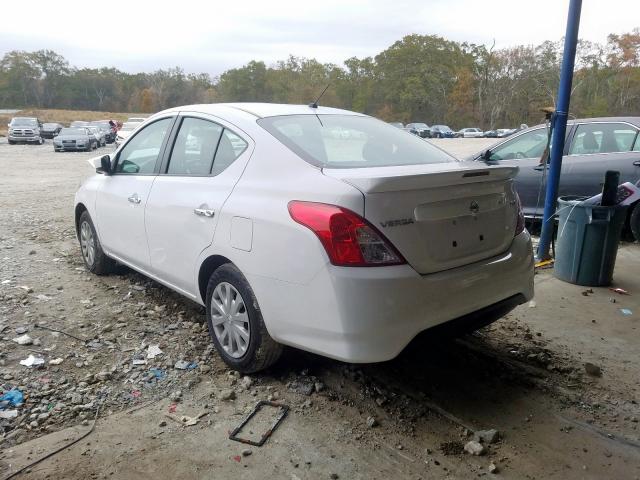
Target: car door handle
134	198
637	163
204	212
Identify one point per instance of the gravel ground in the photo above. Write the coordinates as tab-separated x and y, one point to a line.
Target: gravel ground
409	418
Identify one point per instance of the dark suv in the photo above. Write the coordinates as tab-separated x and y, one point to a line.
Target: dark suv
110	131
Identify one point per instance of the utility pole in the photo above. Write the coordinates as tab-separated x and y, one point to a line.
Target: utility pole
559	120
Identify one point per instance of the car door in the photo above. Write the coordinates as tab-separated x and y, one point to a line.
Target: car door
121	200
595	148
525	150
206	160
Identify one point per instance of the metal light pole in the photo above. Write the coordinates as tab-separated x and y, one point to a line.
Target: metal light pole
559	128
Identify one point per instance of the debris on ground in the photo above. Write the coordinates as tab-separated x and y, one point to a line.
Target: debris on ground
626	312
32	361
153	351
23	340
593	369
281	413
493	468
372	422
452	448
619	290
486	436
475	448
587	292
12	398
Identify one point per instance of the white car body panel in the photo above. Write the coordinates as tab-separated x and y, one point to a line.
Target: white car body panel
356	314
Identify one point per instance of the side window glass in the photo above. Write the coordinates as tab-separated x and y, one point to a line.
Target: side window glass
636	146
139	155
231	147
602	138
527	145
194	147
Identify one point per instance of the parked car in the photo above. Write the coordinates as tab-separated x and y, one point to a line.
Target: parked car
98	135
361	235
441	131
593	146
50	130
421	129
79	138
471	132
25	129
126	130
397	124
136	119
490	134
110	132
505	132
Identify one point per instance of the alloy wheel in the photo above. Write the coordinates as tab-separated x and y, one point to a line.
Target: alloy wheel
87	243
230	320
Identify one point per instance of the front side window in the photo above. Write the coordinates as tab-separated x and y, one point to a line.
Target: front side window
140	154
351	141
527	145
602	138
194	147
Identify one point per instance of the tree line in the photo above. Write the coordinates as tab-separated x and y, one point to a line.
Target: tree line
421	78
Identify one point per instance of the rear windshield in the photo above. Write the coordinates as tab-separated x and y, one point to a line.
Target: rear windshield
350	141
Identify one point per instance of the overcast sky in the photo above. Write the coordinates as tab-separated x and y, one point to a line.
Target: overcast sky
212	36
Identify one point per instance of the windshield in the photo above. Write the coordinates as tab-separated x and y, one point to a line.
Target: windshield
24	122
50	125
350	141
420	125
73	131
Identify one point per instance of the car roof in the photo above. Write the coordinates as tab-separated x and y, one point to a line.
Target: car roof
632	120
262	110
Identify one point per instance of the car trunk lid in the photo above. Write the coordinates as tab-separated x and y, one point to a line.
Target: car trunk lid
439	216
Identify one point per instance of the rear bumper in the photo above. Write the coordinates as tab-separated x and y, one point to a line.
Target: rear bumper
364	315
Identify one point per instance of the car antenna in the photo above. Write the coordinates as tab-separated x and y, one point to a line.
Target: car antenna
315	103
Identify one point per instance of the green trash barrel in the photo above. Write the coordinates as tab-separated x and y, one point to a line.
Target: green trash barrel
587	242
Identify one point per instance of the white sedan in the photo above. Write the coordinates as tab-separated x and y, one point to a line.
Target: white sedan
470	133
344	245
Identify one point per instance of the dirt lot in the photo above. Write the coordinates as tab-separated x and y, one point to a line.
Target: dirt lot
524	376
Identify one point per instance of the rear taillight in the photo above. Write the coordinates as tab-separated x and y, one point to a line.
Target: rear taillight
349	240
520	220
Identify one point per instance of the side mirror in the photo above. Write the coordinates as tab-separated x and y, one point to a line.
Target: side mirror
105	165
486	155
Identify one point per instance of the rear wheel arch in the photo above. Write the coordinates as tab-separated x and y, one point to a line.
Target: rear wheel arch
210	265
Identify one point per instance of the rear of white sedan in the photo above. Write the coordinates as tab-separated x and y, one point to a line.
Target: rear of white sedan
329	231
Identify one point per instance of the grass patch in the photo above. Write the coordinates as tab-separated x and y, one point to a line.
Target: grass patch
65	117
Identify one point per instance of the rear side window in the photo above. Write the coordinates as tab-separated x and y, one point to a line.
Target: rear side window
194	147
602	138
351	141
202	147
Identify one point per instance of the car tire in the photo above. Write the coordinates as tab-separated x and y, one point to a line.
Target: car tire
227	288
11	142
93	256
89	147
634	222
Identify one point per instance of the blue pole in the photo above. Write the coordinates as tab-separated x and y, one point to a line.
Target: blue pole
559	128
